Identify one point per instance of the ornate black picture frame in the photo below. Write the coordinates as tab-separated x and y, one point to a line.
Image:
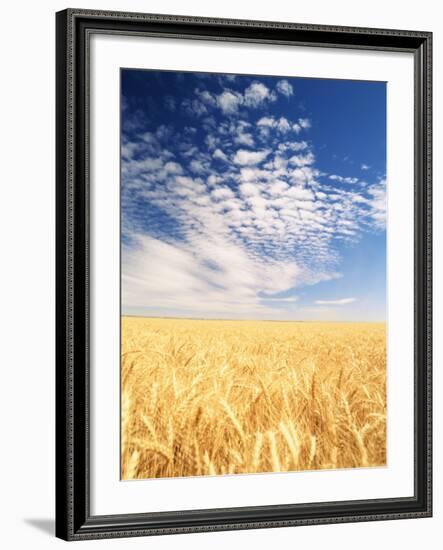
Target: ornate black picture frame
74	520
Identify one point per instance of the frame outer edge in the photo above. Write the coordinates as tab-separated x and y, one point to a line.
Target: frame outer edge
62	411
66	506
429	262
252	23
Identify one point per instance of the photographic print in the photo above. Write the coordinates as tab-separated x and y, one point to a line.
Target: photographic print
253	274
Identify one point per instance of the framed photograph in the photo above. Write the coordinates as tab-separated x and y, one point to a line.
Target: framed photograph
243	274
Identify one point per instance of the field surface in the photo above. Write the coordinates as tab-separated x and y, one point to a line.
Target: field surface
226	397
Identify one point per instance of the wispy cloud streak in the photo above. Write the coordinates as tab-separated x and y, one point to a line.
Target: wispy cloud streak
341	302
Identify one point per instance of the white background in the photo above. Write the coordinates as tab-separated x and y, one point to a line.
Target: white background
27	275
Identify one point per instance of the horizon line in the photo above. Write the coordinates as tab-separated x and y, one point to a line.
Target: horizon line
246	319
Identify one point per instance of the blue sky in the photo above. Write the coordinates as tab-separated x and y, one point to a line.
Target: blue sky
253	197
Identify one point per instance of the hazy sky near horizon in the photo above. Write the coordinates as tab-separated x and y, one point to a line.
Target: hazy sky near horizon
253	197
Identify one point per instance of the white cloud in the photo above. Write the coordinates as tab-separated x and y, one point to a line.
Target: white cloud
214	179
218	154
222	193
248	158
252	174
289	299
164	132
364	167
229	102
149	137
209	123
173	168
244	139
285	88
170	103
304	123
256	94
341	302
146	165
293	146
128	150
186	186
302	160
197	166
212	141
188	150
206	97
268	121
194	107
378	204
175	276
342	179
249	190
282	124
278	187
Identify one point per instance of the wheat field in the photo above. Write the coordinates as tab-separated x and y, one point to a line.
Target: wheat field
203	397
